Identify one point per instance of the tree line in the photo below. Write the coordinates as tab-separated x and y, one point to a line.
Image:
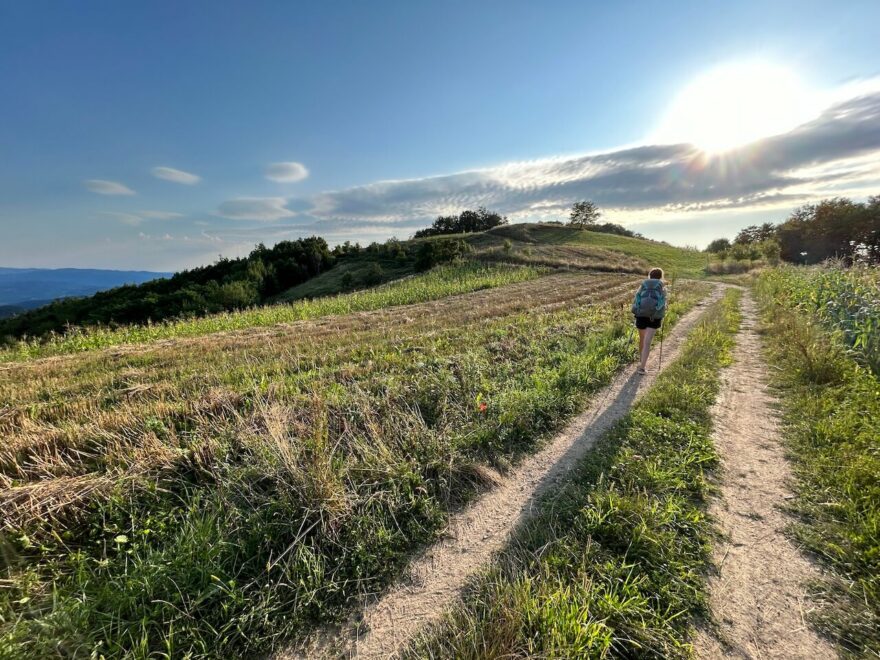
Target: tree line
837	228
230	284
224	285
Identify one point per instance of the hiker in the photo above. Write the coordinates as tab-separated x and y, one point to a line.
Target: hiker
649	307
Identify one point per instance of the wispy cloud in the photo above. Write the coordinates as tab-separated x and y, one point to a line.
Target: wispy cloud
161	215
105	187
255	208
289	172
129	219
175	176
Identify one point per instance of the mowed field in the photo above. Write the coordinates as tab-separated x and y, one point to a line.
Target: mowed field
221	494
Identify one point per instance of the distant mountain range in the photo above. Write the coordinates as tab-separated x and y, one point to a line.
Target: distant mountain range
22	289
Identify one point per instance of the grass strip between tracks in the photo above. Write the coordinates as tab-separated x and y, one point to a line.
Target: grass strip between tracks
614	563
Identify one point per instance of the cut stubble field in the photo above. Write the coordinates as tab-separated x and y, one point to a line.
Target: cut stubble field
217	495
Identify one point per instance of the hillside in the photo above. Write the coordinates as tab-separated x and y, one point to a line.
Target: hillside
589	249
535	244
226	486
228	491
313	270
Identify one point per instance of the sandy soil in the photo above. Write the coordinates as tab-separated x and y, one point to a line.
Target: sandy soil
757	594
438	575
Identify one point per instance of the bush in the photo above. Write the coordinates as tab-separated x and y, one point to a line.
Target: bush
373	274
432	253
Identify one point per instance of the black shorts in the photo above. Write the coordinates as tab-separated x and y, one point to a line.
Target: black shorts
643	322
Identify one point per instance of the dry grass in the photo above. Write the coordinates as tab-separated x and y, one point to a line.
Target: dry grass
264	478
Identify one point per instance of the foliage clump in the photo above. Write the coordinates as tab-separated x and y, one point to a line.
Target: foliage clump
465	222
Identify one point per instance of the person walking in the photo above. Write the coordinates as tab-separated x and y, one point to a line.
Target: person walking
649	308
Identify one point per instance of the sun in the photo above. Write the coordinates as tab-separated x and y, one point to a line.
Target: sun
735	104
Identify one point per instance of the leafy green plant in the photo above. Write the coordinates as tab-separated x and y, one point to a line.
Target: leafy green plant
842	299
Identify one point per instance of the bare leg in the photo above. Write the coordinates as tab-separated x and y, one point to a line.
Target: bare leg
641	341
646	348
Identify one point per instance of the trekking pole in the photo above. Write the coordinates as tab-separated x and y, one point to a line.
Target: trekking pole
661	349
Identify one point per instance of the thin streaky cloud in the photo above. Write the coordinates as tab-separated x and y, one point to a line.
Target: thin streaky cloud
105	187
129	219
176	176
161	215
288	172
263	209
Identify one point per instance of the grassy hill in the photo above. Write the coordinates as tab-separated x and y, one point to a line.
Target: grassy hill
534	244
578	247
265	276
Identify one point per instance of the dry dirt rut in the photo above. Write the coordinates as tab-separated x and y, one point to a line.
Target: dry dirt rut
436	577
757	594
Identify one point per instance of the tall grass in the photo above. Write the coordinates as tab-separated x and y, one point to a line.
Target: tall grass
438	283
831	404
193	503
613	564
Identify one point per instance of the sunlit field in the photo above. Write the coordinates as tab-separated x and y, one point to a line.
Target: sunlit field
439	282
222	494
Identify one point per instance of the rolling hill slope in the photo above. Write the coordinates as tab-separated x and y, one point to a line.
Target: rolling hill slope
555	246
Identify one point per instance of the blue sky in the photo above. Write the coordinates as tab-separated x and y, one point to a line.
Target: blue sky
378	116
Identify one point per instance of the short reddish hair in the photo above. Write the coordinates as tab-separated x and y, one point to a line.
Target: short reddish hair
656	274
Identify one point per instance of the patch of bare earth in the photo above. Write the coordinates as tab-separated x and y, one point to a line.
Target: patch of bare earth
436	578
757	594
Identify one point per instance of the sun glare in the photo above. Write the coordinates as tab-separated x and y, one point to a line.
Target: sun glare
736	104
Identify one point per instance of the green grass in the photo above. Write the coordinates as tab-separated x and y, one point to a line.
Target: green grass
331	282
220	497
675	261
613	565
831	405
438	283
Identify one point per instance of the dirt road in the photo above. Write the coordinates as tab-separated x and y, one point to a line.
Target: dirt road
757	596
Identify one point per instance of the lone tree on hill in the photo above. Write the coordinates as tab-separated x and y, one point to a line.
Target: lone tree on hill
584	214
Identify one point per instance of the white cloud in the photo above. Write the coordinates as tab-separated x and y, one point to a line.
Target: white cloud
175	176
289	172
161	215
255	208
104	187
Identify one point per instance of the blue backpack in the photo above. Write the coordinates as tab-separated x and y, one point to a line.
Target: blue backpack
650	300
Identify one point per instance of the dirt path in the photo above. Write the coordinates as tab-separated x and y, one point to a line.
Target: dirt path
437	576
757	596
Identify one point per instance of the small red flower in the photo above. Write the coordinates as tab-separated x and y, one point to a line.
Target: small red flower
483	406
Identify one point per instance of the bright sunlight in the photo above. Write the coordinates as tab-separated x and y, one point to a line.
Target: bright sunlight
736	104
